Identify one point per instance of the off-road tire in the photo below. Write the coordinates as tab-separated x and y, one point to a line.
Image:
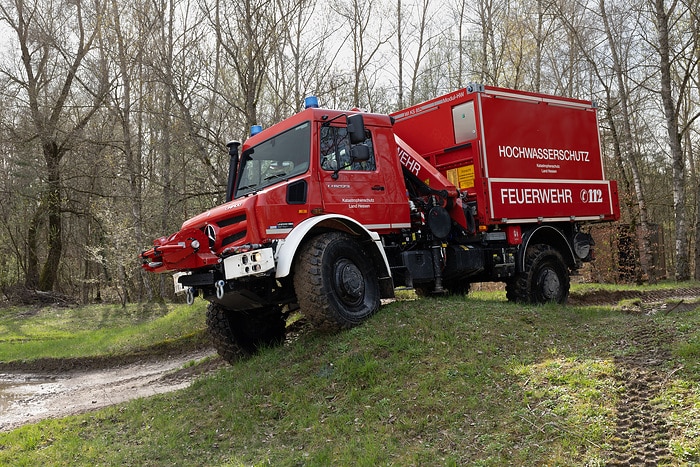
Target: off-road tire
237	335
336	282
544	280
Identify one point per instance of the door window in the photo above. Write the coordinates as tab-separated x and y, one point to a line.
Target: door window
336	151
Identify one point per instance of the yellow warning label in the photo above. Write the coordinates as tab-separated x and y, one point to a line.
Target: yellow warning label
462	177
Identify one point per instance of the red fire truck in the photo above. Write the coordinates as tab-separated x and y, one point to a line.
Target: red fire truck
328	211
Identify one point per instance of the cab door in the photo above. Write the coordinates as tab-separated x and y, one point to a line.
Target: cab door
366	190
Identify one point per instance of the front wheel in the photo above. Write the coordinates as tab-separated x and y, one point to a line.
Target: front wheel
544	280
336	282
239	334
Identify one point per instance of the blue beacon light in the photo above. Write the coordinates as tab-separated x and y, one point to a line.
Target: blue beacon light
311	102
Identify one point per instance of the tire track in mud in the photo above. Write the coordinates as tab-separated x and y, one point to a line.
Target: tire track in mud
641	433
611	297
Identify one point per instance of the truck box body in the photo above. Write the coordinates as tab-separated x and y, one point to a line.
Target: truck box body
523	157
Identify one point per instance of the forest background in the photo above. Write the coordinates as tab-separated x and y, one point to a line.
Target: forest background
114	115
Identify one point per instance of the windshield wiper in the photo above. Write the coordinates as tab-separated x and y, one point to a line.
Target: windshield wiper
246	187
275	176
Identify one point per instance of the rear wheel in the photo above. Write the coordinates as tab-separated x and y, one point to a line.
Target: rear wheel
545	278
336	282
239	334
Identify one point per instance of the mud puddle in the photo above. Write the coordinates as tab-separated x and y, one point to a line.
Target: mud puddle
28	397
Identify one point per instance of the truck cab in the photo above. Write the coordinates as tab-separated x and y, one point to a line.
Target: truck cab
308	166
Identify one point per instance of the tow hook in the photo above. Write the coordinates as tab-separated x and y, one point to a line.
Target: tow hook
220	289
189	294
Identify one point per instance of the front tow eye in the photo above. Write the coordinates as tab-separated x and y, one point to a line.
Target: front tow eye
220	289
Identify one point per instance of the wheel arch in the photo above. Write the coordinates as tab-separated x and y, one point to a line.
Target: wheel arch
549	235
287	253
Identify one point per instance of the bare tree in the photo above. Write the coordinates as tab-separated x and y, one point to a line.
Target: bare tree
609	67
491	15
55	44
459	10
415	41
247	34
424	44
366	38
695	154
542	30
124	109
400	50
304	59
616	48
664	19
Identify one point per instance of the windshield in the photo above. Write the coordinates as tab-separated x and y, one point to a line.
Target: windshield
279	158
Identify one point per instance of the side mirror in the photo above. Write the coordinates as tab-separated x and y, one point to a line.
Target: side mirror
356	128
360	153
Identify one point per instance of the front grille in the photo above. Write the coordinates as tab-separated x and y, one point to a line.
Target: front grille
231	220
233	238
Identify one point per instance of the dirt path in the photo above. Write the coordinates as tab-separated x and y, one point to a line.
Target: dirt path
28	397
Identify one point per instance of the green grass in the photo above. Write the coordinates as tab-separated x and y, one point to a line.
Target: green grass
108	330
448	381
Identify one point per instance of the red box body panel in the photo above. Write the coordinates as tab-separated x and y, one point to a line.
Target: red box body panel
523	157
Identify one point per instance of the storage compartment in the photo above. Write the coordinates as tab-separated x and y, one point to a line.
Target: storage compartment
463	260
419	266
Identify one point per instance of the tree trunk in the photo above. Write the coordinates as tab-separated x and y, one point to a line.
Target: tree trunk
399	40
423	13
31	279
130	149
696	40
52	197
696	176
166	143
682	267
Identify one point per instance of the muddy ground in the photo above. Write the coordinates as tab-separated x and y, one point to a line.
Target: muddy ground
31	394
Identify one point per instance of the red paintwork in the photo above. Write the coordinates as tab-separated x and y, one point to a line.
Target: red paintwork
532	143
377	199
176	252
529	158
419	167
514	235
